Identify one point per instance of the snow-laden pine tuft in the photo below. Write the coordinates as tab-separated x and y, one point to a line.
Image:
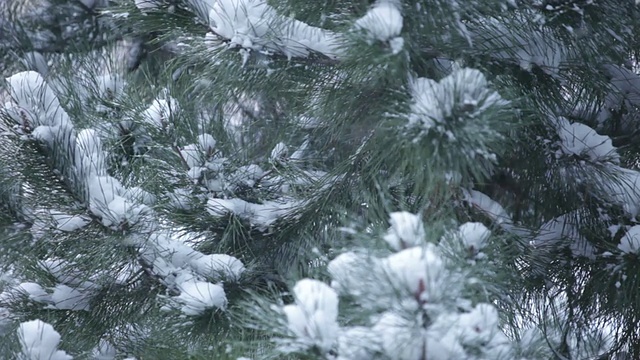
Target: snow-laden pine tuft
146	5
474	235
406	231
465	94
313	317
383	22
564	231
39	341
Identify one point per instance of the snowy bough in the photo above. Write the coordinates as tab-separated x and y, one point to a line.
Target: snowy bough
193	279
415	303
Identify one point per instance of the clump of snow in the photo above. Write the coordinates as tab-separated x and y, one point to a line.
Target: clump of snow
34	292
382	22
146	5
66	222
139	195
625	190
401	338
464	91
207	143
407	230
180	199
625	86
474	235
581	140
300	151
33	96
39	341
161	111
358	343
630	242
65	297
247	175
351	274
418	271
192	155
104	351
313	317
215	265
109	86
198	296
61	270
50	134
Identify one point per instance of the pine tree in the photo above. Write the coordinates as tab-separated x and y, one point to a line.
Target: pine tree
388	179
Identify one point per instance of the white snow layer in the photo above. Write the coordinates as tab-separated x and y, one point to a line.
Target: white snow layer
487	205
146	5
104	351
39	341
564	230
68	223
262	215
406	231
474	235
313	318
160	112
630	242
218	265
34	292
198	296
253	24
625	86
279	152
581	140
524	47
36	98
418	271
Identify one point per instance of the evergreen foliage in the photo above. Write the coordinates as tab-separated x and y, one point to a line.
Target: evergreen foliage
388	179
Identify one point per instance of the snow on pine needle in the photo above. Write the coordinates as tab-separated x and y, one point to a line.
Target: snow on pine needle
39	341
313	317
